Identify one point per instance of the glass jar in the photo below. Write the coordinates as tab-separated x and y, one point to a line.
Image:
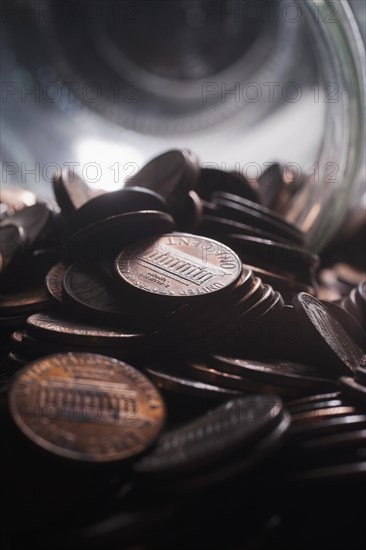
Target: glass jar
104	86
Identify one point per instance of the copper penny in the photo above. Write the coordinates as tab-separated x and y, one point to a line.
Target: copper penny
54	280
25	301
345	353
55	328
86	407
179	265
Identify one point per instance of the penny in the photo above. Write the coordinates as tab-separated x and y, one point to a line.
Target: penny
272	311
212	180
194	314
86	288
172	174
270	184
234	464
21	235
121	229
16	339
189	216
246	313
280	372
220	326
213	375
25	301
313	406
71	191
11	241
240	212
227	327
176	381
34	348
252	193
344	352
86	407
115	203
287	285
54	279
288	288
259	209
349	323
262	306
276	256
293	184
31	221
318	415
60	329
179	265
261	212
216	225
305	401
229	429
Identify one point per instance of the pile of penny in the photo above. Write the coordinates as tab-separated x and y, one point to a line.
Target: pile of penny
171	337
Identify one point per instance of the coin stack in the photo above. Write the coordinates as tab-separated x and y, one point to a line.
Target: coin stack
164	338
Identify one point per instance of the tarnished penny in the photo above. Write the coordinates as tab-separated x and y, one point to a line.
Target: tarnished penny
114	204
179	265
71	191
86	407
222	432
84	285
55	328
121	229
172	174
345	352
282	372
239	210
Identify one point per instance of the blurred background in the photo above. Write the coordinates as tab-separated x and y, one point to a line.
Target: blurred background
102	87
